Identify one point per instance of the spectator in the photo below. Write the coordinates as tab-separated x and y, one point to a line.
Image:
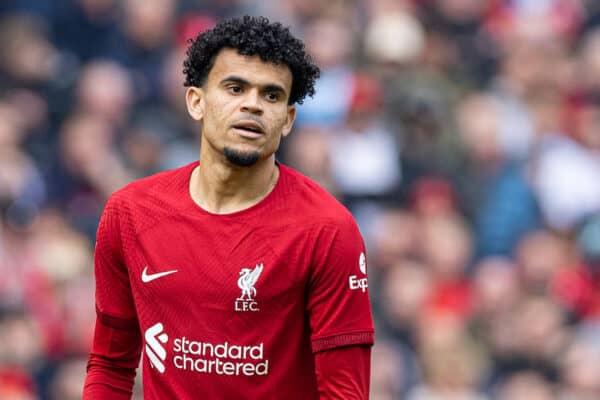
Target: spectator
526	385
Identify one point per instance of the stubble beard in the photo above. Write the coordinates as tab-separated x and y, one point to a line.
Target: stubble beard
241	159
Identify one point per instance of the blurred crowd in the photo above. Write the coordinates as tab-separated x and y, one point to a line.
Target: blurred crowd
464	135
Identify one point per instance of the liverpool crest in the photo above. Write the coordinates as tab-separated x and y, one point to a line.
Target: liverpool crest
246	282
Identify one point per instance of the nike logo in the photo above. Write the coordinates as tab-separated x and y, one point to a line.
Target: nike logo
146	277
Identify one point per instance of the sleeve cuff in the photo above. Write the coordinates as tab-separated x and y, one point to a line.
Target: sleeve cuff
347	339
117	322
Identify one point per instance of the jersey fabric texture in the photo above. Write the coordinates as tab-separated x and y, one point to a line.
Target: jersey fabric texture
235	305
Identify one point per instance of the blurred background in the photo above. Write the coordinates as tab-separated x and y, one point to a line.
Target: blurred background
464	135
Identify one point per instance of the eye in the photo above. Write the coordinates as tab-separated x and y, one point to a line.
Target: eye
234	89
272	96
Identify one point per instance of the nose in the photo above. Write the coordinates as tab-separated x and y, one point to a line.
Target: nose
251	103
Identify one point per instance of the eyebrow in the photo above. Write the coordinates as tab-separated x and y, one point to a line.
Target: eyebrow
269	87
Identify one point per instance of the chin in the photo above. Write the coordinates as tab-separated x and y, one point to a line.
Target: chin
241	158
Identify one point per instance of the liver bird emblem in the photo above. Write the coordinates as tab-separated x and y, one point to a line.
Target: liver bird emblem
247	279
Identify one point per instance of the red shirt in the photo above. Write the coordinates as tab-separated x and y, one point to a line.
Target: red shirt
228	306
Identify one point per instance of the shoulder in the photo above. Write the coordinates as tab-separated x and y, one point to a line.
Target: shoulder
311	202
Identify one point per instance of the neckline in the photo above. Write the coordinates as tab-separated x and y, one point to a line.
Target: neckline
194	207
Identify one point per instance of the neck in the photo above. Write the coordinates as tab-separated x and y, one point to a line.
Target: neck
222	188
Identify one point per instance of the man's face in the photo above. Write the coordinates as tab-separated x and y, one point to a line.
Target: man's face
243	107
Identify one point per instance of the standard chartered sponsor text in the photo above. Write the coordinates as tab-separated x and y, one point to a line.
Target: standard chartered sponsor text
221	359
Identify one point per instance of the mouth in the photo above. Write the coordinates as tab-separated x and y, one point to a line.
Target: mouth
252	128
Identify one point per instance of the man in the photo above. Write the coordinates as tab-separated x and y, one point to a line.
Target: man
236	277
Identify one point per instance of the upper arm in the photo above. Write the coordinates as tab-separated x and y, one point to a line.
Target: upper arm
338	305
113	290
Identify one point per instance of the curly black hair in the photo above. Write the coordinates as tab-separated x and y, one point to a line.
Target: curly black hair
250	36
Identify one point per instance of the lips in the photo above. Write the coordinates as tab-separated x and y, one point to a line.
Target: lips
250	126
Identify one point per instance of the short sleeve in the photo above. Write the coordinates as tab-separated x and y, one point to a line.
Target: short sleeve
114	299
338	305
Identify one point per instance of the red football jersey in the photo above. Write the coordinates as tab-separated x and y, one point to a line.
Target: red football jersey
232	306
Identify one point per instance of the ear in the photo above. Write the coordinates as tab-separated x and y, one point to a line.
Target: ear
194	99
291	117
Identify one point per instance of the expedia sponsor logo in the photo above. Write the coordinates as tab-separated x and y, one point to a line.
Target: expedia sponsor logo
356	282
220	359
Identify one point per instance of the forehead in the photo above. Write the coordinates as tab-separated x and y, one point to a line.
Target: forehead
229	62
